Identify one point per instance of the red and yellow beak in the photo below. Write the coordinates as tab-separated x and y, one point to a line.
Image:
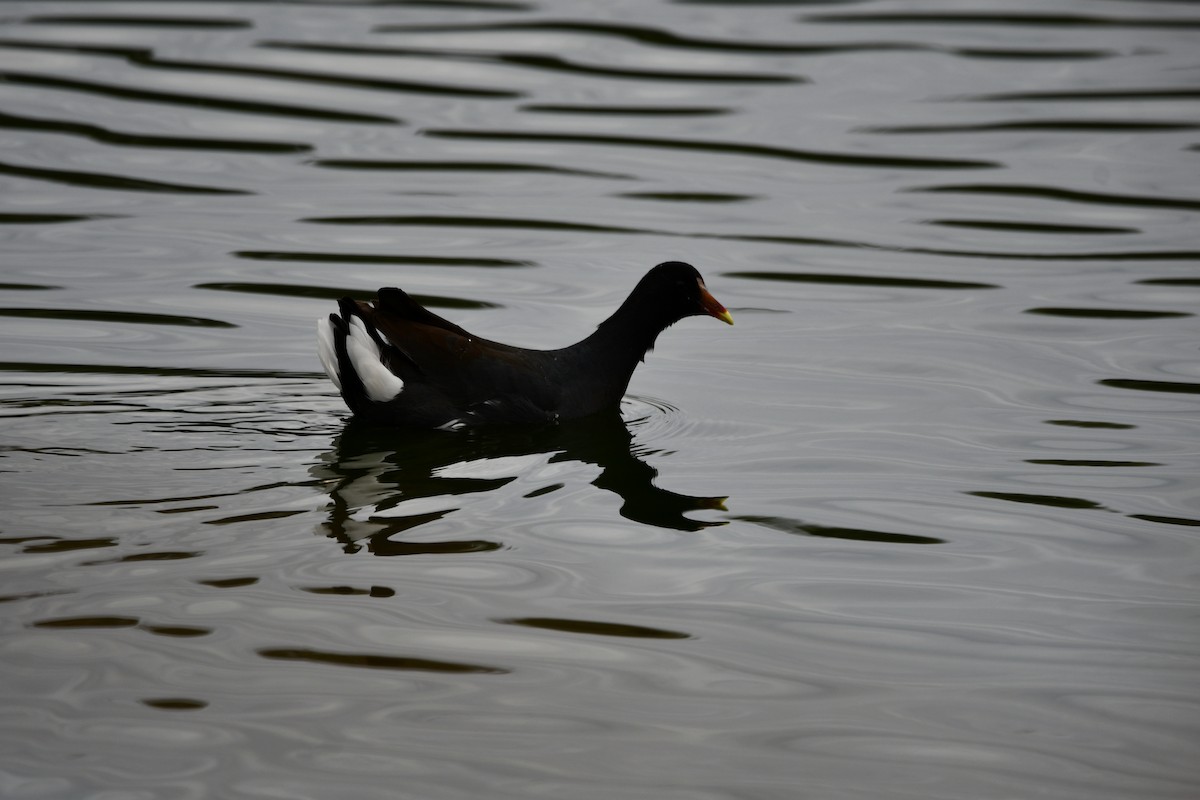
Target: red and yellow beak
712	307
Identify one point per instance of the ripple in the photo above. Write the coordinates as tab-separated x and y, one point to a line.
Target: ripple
1079	462
175	703
1170	281
1053	126
88	622
368	258
461	166
139	140
137	558
217	102
795	526
331	79
1185	521
471	5
724	148
375	661
641	34
381	544
98	180
229	583
688	197
44	219
1170	387
558	64
350	591
69	545
662	38
1055	501
473	222
254	516
1086	96
418	220
1048	19
176	631
146	58
1084	423
595	628
652	420
1065	195
137	21
131	317
641	411
1031	54
858	280
160	371
335	293
626	111
1054	229
544	63
1097	255
10	598
1106	313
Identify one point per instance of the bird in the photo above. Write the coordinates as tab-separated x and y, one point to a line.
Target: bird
398	364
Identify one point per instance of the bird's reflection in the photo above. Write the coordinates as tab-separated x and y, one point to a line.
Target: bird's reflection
370	472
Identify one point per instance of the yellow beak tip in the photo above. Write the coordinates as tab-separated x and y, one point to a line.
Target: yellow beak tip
714	503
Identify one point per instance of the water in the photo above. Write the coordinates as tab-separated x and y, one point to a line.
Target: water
955	423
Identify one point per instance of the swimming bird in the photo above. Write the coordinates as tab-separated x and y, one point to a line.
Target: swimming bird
397	363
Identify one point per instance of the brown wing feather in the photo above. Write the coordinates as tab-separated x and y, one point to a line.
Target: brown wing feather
466	368
396	304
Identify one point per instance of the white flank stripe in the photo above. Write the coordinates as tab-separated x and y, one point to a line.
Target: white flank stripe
326	351
378	380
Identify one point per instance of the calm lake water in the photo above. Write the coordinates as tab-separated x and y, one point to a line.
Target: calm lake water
956	422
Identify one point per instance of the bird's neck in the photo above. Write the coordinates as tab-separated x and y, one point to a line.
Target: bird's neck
604	362
628	334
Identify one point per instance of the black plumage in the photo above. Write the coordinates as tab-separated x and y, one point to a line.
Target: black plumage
397	363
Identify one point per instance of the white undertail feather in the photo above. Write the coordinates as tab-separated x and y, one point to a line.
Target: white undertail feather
327	352
379	381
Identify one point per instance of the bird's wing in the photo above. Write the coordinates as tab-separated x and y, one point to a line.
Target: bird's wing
494	380
396	305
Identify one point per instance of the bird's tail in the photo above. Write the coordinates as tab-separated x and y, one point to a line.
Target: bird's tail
351	350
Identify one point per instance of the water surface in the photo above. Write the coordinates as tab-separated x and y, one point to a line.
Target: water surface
923	524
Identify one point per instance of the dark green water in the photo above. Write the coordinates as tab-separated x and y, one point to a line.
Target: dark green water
956	422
